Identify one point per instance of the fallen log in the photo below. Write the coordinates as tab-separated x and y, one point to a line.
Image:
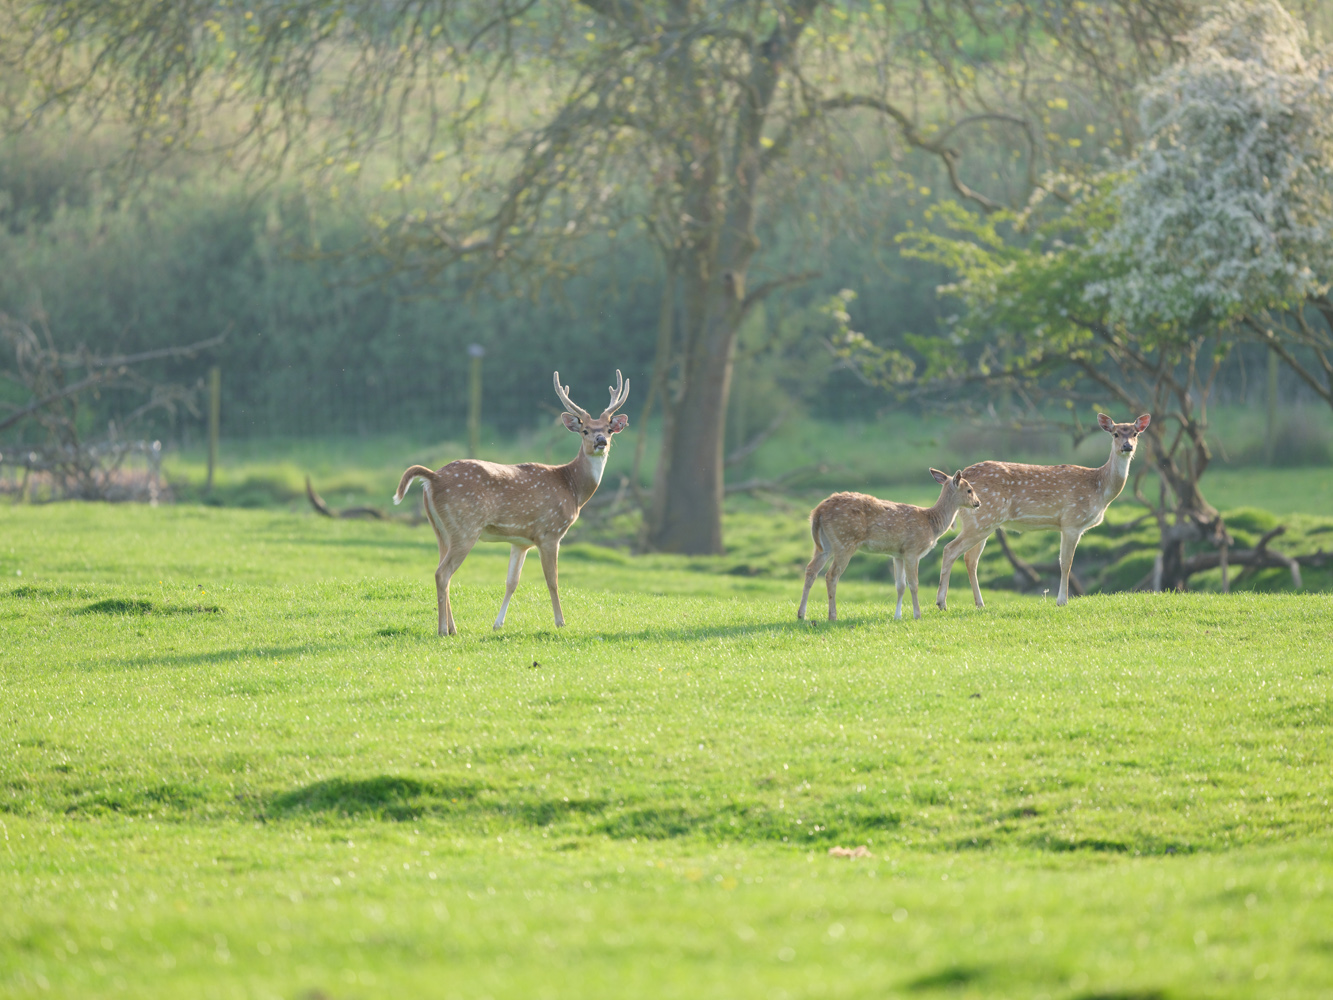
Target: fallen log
1257	558
323	508
1027	576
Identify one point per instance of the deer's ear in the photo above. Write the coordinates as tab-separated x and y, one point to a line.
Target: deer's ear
1105	422
958	477
940	477
1142	423
619	422
570	421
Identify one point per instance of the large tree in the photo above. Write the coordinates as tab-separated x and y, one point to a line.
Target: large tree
511	128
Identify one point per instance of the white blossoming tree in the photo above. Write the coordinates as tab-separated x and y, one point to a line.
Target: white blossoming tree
1226	212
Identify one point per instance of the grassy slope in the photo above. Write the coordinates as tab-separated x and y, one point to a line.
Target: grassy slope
306	789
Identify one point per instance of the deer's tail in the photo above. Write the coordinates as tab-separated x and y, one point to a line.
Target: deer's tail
415	472
816	516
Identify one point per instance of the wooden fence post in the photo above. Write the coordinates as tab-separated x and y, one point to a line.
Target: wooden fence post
214	417
476	352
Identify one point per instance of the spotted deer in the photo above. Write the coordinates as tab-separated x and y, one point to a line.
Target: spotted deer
846	522
1069	499
528	505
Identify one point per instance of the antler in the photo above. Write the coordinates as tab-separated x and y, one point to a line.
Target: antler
619	393
563	393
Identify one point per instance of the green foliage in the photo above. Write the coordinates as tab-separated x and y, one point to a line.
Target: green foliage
317	342
312	788
1022	278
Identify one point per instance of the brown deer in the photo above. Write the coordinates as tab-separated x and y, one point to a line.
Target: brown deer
1067	498
846	522
525	505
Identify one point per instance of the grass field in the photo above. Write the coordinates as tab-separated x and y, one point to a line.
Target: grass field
241	764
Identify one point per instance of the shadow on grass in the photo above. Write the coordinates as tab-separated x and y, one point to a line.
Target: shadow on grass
206	658
951	978
683	633
1144	845
398	797
1146	994
29	591
469	802
829	823
385	796
164	800
139	606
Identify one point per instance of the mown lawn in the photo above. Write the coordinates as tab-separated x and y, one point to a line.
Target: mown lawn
240	764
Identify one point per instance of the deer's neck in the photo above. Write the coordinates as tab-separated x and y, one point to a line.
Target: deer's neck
1115	473
585	473
940	514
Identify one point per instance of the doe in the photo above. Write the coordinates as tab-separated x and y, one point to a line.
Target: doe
528	505
846	522
1067	498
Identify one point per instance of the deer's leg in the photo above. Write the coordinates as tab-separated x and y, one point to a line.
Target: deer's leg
442	574
550	553
450	560
517	554
835	570
960	544
899	581
970	559
912	565
816	563
1068	542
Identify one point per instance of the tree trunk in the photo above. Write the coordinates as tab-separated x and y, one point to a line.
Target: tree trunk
687	490
686	513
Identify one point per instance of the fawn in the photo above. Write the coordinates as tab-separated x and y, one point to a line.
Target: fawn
846	522
525	505
1068	498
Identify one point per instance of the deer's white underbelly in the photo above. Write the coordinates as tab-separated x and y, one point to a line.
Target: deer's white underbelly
1031	522
883	548
488	536
1066	520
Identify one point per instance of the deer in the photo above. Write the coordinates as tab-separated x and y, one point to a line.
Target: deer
846	522
529	505
1069	499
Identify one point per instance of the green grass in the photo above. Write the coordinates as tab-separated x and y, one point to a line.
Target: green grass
239	763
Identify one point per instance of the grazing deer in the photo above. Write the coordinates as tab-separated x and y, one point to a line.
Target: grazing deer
846	522
1068	498
525	505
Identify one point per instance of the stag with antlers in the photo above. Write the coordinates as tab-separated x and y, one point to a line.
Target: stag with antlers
528	505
